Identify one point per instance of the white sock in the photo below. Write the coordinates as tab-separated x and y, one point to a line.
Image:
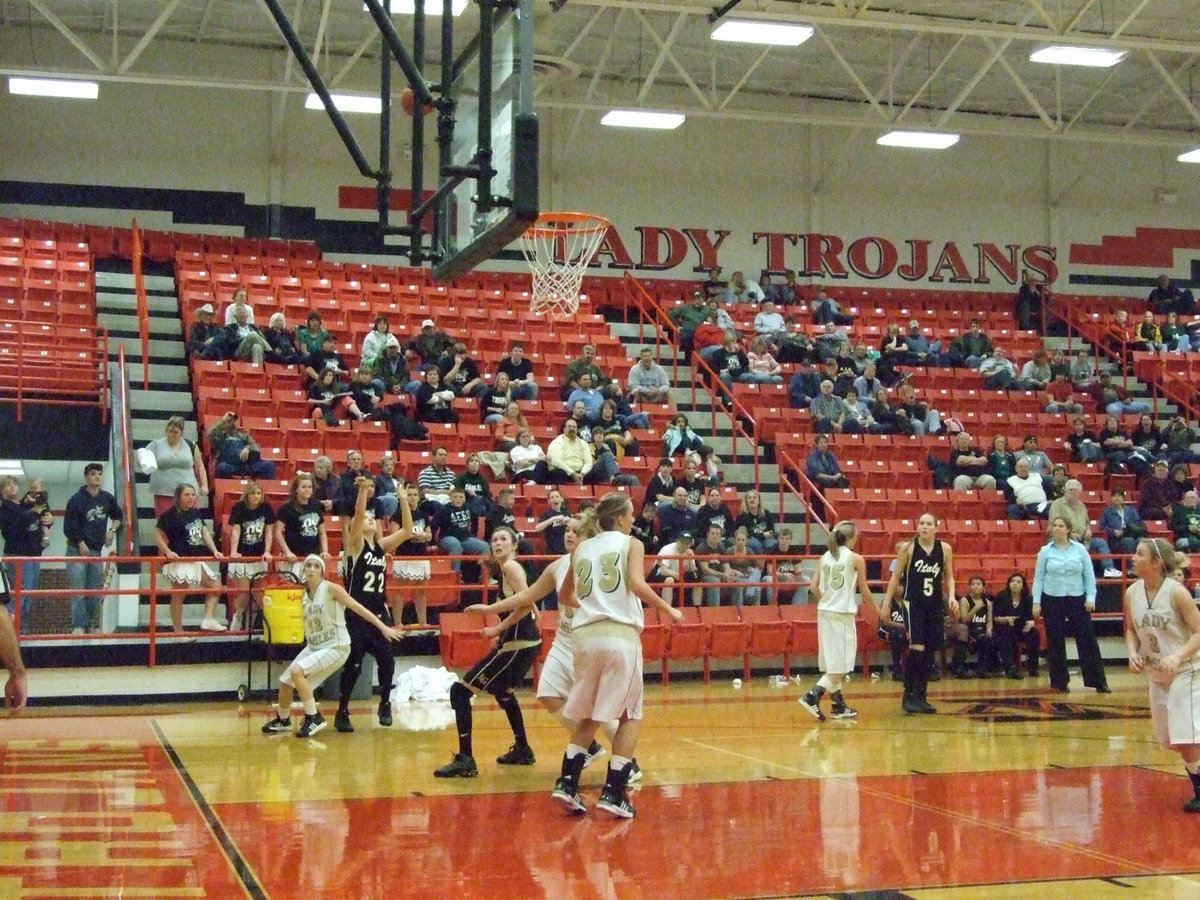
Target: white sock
830	683
574	750
310	707
283	713
617	763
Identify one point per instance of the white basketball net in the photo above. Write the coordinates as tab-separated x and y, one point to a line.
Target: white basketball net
559	247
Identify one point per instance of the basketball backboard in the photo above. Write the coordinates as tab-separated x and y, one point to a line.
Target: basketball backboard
494	127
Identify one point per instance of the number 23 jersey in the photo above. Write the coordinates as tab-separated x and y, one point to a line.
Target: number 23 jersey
600	564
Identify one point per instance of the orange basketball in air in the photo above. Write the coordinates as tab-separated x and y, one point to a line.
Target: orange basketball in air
408	102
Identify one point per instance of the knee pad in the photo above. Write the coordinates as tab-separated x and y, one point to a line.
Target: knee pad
460	695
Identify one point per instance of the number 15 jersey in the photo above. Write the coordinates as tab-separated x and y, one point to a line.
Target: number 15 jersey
600	564
839	581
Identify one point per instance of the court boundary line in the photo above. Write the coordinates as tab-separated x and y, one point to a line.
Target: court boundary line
241	868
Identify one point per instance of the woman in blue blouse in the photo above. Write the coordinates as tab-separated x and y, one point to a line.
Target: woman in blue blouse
1064	586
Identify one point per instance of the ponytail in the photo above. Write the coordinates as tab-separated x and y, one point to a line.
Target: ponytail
841	534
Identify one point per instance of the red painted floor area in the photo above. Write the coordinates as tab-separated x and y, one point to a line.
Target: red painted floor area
759	839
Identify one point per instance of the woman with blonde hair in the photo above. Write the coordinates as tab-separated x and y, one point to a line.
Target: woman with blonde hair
300	525
507	429
179	462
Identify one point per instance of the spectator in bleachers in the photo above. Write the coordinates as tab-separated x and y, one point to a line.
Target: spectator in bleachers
1185	523
182	537
179	462
920	350
1121	524
1164	296
501	515
1025	493
804	385
236	305
1001	461
390	370
460	373
284	349
582	420
1060	396
794	346
553	522
688	317
1175	336
724	320
494	399
769	322
1083	443
709	339
969	466
847	370
1035	374
605	459
325	485
645	528
832	371
235	451
1083	370
520	373
431	344
829	413
1013	625
1039	463
436	479
676	564
1056	485
971	632
679	437
827	344
861	354
1147	335
1120	336
758	522
587	394
244	341
867	384
332	400
715	511
206	340
676	517
648	381
528	460
745	290
772	290
886	418
1030	301
971	347
416	571
710	556
348	484
389	490
764	368
313	335
1148	440
326	359
785	568
1157	494
694	481
1059	363
1071	508
21	527
891	353
615	431
475	485
376	340
1181	481
915	414
433	400
455	526
857	411
570	458
716	286
251	530
661	484
730	361
822	466
744	570
587	364
508	427
1117	447
827	311
1178	437
998	371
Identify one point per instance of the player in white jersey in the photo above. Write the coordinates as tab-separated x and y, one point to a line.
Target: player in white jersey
608	584
558	671
841	575
1162	635
327	647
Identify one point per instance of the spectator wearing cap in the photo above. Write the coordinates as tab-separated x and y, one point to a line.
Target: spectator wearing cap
688	317
674	564
662	483
238	304
390	373
205	339
431	343
520	373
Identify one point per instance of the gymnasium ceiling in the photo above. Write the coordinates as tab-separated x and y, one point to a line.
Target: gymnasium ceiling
960	65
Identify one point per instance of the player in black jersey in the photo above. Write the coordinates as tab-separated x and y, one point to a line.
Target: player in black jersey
518	642
364	573
927	567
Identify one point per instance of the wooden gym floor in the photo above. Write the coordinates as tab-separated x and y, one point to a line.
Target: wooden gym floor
1009	792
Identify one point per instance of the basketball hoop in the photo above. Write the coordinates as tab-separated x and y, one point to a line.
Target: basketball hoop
559	247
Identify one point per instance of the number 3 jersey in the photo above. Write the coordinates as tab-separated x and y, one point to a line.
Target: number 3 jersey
600	564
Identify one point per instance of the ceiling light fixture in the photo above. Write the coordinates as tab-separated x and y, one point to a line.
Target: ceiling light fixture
921	140
1192	156
745	32
54	87
1092	57
642	118
350	103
